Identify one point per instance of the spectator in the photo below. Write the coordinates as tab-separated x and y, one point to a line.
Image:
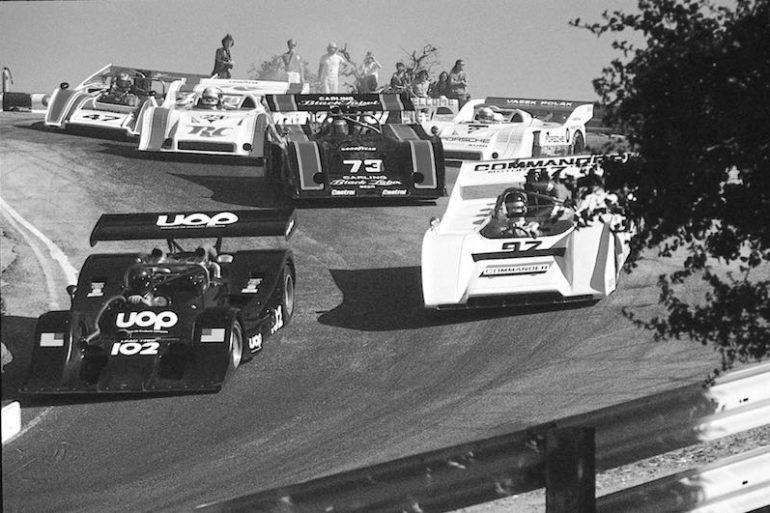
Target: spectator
440	87
399	82
292	63
368	72
223	61
458	82
421	84
329	69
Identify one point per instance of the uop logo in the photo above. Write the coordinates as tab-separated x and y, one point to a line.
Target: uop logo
197	220
159	321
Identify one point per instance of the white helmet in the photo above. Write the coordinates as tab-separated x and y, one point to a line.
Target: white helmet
485	115
211	97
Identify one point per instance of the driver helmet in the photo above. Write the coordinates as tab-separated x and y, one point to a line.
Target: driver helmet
140	280
340	127
485	115
516	204
211	98
123	81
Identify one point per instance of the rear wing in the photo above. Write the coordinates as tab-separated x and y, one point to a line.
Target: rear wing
194	225
515	171
556	111
324	102
111	70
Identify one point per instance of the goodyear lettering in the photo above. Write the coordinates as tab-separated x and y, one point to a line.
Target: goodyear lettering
197	220
159	321
358	148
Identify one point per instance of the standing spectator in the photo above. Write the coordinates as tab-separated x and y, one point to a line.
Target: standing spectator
223	62
421	84
329	69
441	86
458	82
292	63
368	72
399	82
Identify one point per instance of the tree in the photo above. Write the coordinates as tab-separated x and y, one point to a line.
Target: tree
694	105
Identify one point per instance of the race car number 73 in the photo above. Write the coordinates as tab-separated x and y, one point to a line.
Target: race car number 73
370	165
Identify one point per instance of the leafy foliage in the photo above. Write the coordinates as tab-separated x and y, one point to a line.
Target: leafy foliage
694	103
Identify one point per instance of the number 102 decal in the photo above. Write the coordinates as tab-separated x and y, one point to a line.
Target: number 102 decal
132	348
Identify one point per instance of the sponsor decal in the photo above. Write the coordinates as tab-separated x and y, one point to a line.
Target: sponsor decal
562	162
97	289
146	319
209	131
510	270
364	181
394	192
539	103
197	220
52	340
133	348
255	342
343	192
212	334
252	286
358	148
466	140
323	101
555	139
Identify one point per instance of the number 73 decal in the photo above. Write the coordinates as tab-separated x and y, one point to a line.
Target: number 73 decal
370	165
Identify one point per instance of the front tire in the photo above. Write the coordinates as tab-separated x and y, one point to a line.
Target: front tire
287	294
236	346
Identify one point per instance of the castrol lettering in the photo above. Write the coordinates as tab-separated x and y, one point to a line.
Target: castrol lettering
197	220
158	321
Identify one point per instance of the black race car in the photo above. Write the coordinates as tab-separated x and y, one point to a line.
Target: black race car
345	146
167	322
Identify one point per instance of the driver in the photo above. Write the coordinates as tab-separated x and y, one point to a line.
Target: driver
485	115
141	285
509	218
210	99
121	91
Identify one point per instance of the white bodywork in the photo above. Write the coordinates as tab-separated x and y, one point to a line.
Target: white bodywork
521	129
463	268
237	128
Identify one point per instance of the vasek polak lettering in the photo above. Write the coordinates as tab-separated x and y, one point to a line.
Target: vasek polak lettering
197	220
158	321
209	131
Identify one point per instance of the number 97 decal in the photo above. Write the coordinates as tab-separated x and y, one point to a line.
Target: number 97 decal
370	165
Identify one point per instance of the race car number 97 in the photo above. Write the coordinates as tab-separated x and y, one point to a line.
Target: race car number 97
370	165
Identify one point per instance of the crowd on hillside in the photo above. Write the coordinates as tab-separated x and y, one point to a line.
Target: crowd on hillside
336	62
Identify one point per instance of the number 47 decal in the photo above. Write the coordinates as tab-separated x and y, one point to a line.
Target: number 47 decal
101	117
370	165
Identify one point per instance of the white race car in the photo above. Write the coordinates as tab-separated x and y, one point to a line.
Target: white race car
501	242
93	103
508	128
234	124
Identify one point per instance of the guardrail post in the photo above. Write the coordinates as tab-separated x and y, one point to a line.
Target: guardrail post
570	474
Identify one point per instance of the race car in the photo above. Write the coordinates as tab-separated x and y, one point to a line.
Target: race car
505	240
348	146
114	99
507	128
211	116
176	321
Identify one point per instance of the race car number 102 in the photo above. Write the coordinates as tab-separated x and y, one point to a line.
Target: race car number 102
370	165
132	348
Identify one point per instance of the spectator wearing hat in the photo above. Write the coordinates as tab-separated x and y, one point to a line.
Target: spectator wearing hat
329	69
223	61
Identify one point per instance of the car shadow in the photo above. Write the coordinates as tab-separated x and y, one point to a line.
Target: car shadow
92	133
243	191
132	152
390	299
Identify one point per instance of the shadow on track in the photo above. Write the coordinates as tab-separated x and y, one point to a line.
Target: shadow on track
132	152
391	299
17	333
82	131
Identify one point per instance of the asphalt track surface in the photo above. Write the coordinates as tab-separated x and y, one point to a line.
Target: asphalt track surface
363	374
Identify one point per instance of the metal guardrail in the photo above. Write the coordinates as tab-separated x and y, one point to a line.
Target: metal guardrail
486	470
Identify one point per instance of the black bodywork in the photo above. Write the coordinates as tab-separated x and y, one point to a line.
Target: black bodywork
348	146
210	310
